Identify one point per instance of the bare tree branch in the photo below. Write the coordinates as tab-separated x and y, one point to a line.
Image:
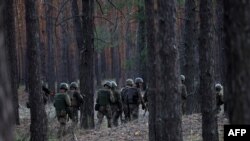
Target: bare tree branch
97	1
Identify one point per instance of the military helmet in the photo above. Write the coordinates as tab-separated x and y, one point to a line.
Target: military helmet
64	86
138	80
108	83
218	87
183	78
73	85
114	85
129	82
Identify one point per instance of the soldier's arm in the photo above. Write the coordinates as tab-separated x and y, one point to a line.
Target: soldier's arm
141	100
184	92
67	100
111	97
78	97
119	100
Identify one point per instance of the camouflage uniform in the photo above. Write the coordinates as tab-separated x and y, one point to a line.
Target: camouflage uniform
219	96
76	101
183	90
61	103
116	106
103	104
131	99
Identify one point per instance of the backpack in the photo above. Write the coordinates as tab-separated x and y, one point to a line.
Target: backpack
130	95
104	97
60	103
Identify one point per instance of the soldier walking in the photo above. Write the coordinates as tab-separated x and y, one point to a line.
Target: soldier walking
131	99
103	104
62	103
219	96
76	101
116	106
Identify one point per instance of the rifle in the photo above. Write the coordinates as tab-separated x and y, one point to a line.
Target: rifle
145	110
128	107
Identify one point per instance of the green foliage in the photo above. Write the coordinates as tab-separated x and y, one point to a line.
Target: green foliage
181	2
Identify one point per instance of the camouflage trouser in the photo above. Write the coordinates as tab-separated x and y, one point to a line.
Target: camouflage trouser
74	118
62	118
104	111
131	111
116	112
134	111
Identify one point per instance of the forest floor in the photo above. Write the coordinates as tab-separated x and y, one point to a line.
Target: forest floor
132	131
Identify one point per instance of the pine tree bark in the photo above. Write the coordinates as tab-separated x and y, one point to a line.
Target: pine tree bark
87	65
164	73
12	54
6	108
50	44
141	42
151	67
190	67
209	118
237	21
77	24
38	127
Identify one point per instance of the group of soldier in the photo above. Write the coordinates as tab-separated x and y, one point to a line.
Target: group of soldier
67	103
112	103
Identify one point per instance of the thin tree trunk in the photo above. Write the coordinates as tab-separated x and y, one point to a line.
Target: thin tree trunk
209	118
87	65
190	67
77	24
149	9
163	54
6	108
237	21
11	45
38	127
141	43
50	44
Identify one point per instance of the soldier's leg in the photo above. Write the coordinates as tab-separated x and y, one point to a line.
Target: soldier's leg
62	128
100	118
115	118
134	111
109	116
126	111
115	115
74	124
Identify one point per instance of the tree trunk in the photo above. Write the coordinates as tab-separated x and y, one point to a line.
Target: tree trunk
50	44
38	127
237	21
87	65
209	118
190	66
11	45
6	116
77	24
141	43
64	45
149	9
164	73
